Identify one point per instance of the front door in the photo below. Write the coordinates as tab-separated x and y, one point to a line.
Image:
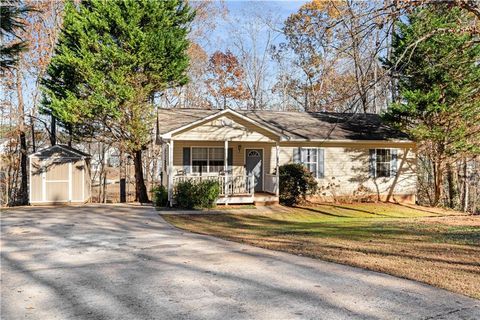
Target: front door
254	164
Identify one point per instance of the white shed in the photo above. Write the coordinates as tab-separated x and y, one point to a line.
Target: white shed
59	175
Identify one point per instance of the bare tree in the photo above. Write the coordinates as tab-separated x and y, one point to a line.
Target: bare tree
252	37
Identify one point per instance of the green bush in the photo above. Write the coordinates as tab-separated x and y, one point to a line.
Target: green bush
159	196
203	194
296	182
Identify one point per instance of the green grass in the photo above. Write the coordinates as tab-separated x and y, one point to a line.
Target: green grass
436	246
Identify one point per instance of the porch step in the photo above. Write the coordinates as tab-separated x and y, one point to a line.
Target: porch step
265	199
259	199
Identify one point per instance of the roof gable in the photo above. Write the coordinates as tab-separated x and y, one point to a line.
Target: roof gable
239	125
226	127
60	151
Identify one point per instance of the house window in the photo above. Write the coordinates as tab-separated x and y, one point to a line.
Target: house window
216	159
383	163
309	159
206	160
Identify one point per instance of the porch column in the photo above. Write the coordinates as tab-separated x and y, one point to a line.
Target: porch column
277	171
225	169
170	173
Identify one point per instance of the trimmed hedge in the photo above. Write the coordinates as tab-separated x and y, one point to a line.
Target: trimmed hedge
197	195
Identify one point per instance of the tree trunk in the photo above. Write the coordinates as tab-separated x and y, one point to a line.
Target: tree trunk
452	187
104	187
140	188
438	182
465	186
23	192
70	135
23	200
53	130
32	128
100	173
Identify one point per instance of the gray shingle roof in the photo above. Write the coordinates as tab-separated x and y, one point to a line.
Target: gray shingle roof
297	125
171	119
61	151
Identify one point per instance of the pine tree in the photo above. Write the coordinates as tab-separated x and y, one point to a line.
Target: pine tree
111	58
438	72
12	14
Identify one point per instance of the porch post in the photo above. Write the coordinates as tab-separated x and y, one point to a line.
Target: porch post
170	173
277	171
225	169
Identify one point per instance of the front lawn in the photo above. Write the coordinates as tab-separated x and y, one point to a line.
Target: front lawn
435	246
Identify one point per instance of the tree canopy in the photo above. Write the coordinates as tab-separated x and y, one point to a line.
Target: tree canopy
11	21
111	58
438	76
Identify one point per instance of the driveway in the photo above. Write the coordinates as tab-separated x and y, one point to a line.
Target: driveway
125	262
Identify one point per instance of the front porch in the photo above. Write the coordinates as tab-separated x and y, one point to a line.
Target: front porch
247	172
240	154
239	189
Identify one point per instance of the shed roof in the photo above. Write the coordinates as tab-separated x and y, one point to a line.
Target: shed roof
60	151
296	125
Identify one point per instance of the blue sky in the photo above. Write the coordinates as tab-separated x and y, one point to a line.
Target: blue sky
219	38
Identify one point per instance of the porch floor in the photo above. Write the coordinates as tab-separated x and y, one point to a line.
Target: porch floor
259	198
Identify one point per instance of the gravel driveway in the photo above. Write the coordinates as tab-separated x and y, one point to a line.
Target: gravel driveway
125	262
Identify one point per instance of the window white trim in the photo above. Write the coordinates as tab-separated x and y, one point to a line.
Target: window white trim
376	162
208	159
318	159
311	153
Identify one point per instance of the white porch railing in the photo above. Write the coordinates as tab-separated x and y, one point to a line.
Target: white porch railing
271	183
229	184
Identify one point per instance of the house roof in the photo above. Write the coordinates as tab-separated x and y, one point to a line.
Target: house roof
303	126
60	151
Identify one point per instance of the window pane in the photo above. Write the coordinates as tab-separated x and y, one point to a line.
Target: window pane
380	155
312	167
310	155
383	155
199	165
383	162
199	153
383	169
217	153
216	165
313	155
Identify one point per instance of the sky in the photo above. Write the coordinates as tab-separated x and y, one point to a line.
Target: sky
243	12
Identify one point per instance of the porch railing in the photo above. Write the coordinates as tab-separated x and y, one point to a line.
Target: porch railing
229	184
271	183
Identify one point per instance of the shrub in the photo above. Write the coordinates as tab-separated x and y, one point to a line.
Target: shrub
296	182
159	196
203	194
208	192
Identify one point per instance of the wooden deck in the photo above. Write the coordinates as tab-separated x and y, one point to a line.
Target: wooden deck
258	198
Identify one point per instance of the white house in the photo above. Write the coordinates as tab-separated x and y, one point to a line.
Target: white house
349	154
